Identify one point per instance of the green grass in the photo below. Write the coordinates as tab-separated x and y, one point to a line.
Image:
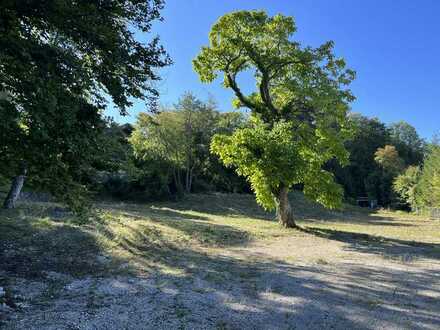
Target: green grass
176	237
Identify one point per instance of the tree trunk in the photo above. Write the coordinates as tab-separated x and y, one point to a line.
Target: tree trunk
178	181
14	192
188	181
284	211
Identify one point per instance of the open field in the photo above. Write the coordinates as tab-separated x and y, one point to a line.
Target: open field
218	261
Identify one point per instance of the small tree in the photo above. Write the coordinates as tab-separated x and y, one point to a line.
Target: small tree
159	138
180	137
405	185
390	165
299	108
388	158
428	187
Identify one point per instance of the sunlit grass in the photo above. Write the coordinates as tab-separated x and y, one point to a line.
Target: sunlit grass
173	236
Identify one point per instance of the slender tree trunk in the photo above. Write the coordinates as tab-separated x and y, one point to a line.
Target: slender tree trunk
179	186
284	210
188	180
14	192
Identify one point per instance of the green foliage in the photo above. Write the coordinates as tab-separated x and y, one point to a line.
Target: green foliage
299	107
359	177
159	136
290	79
405	185
428	187
407	142
114	150
269	158
420	187
377	154
60	63
388	158
179	139
87	46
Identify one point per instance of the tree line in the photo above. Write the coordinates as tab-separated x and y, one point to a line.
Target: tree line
62	62
168	154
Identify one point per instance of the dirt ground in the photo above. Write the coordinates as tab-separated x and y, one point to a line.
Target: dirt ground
301	282
217	262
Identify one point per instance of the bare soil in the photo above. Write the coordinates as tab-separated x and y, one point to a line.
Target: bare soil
290	283
227	274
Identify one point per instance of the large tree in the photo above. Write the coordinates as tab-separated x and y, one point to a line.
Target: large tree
299	107
61	62
409	144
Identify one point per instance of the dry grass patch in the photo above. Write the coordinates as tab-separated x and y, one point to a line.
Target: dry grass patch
176	236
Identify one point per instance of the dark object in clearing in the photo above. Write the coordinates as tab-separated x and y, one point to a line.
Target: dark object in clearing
366	202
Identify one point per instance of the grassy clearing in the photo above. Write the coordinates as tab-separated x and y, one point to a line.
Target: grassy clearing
174	237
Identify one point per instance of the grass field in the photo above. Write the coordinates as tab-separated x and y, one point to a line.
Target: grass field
225	245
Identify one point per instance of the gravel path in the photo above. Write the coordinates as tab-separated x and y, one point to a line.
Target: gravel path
293	283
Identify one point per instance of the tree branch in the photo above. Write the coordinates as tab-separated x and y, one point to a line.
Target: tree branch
243	99
264	84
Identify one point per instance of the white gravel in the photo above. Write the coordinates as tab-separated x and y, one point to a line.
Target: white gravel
247	288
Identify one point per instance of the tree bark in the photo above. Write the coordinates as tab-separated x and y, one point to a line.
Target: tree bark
284	210
188	181
14	192
178	182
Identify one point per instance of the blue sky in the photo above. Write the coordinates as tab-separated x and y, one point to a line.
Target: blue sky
394	46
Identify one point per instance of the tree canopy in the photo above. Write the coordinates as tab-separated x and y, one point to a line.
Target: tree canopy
389	160
60	64
301	98
428	185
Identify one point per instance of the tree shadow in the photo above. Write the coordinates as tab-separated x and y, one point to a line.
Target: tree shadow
31	246
360	218
230	205
245	206
239	293
223	291
384	246
199	228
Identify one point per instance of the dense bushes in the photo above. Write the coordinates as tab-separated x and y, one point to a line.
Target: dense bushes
419	187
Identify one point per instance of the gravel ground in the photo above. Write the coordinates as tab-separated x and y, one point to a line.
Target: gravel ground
290	283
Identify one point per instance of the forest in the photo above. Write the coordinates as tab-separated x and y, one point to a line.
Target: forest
188	196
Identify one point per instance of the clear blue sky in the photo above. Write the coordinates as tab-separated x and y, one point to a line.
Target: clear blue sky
394	46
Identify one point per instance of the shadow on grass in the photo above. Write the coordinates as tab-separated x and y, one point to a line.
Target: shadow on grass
198	228
387	247
230	205
245	206
220	290
257	294
32	245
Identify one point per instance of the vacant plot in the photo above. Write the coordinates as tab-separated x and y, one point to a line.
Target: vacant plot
217	261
